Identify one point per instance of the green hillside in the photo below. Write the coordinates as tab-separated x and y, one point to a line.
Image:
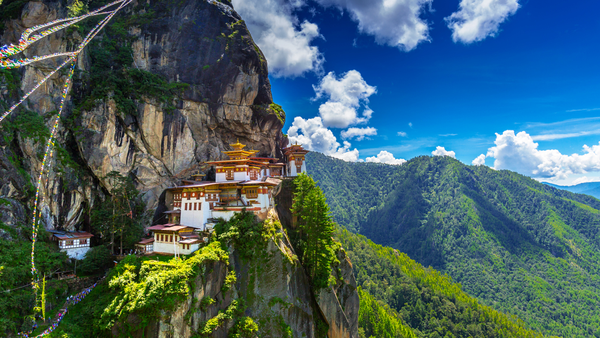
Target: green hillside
517	245
430	303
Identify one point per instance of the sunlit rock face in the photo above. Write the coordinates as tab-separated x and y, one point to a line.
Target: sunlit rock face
205	45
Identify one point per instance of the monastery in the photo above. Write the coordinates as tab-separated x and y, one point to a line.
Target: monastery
241	182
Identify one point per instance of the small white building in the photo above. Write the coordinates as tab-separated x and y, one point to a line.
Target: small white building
296	162
75	243
174	239
145	246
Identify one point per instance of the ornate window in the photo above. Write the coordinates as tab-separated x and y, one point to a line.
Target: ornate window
251	192
253	174
229	174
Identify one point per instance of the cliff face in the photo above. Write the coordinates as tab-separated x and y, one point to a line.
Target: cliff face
271	288
164	87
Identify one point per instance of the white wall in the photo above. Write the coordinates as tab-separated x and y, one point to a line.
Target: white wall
241	176
194	218
77	253
220	177
164	247
292	166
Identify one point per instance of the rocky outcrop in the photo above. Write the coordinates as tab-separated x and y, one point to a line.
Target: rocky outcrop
339	303
271	288
159	139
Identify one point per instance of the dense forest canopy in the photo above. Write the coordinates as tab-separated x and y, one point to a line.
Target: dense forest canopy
401	298
519	246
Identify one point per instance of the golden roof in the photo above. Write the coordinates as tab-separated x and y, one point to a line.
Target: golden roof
238	153
238	145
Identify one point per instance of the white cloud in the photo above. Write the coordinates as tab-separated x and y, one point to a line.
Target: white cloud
359	133
284	40
478	19
313	135
585	179
441	151
345	95
551	137
410	124
585	109
403	134
479	160
520	153
386	157
395	23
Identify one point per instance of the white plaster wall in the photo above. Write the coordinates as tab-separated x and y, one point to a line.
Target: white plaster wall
220	177
77	253
194	218
241	176
193	247
164	247
303	168
292	166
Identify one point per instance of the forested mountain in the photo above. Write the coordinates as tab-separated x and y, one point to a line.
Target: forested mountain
590	188
519	246
401	298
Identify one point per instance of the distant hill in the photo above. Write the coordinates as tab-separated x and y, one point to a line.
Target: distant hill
519	246
591	188
396	292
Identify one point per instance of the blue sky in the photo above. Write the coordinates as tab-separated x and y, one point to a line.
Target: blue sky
388	80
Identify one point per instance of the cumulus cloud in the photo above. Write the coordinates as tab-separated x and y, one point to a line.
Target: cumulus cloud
521	154
359	133
403	134
478	19
394	23
441	151
386	157
313	135
345	95
284	40
479	160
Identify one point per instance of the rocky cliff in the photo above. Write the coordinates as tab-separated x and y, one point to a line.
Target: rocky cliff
236	294
166	86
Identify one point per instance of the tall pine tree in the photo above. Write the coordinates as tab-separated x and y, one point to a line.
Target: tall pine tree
315	228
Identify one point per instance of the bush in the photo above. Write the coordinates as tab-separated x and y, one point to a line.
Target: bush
96	260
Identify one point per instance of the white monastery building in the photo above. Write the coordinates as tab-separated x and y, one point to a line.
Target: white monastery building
242	182
75	243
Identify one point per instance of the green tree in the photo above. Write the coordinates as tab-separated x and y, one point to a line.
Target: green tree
122	215
315	228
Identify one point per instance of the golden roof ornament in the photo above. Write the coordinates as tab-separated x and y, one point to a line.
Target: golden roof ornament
238	145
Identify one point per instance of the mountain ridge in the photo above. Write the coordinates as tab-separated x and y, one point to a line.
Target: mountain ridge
589	188
517	245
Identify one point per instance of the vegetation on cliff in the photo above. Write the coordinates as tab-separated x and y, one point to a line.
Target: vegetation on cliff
517	245
312	231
